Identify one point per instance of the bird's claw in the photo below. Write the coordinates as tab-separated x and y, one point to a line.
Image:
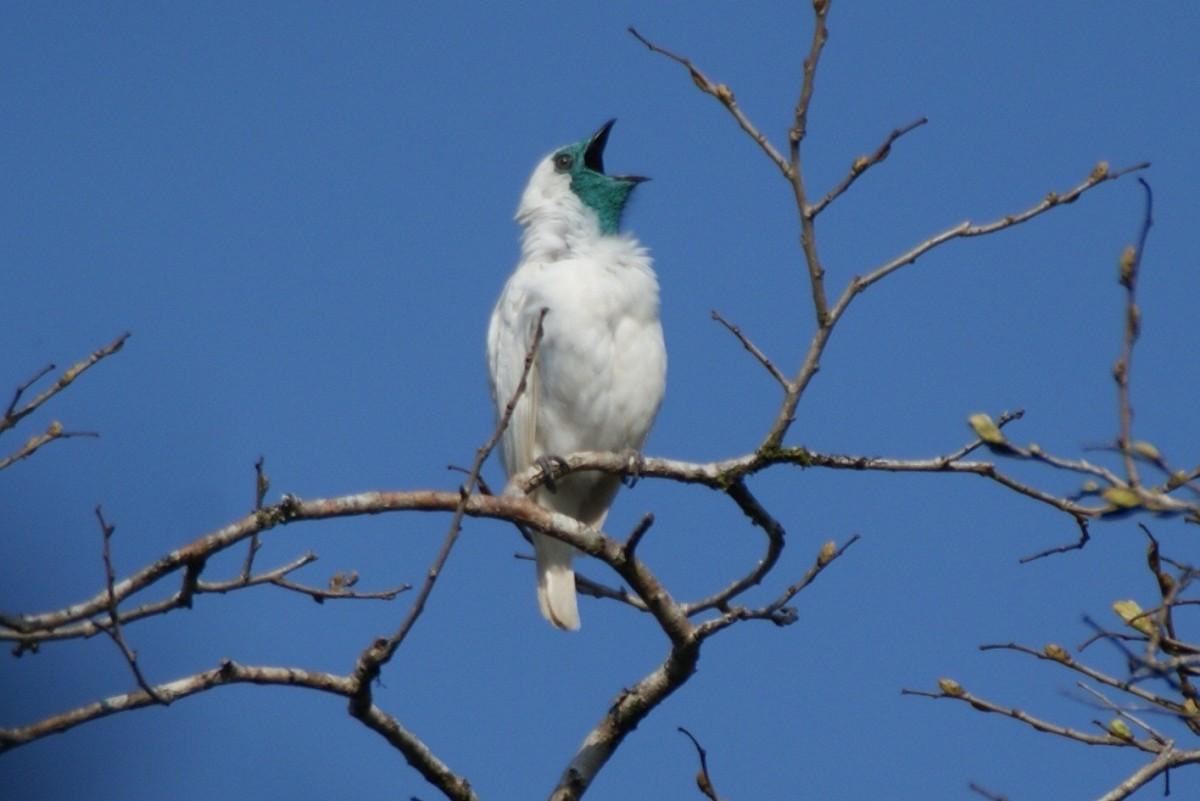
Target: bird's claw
635	463
548	464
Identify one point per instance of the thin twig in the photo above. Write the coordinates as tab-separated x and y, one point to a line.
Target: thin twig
21	388
1082	466
339	594
639	531
777	611
14	415
1116	639
594	589
754	350
862	164
808	81
808	232
951	690
703	779
113	629
827	555
723	94
1131	260
988	794
28	639
1084	538
37	441
482	484
371	661
1004	419
1107	703
966	229
1060	656
776	537
262	483
379	653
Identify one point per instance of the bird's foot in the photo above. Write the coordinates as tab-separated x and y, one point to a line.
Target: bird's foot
634	464
549	464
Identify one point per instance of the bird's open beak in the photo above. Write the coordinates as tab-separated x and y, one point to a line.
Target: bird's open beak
593	155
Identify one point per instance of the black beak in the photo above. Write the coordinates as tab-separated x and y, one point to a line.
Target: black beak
593	155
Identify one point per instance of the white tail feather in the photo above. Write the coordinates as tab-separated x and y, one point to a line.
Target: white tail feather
556	582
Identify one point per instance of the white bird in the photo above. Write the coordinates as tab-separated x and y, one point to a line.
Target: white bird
600	371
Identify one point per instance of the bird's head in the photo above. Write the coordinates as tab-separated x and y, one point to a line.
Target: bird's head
573	176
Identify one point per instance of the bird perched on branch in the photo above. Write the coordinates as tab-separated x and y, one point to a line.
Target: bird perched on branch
600	370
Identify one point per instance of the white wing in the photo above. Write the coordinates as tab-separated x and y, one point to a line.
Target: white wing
509	337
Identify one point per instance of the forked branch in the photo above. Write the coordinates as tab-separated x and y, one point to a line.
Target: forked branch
15	413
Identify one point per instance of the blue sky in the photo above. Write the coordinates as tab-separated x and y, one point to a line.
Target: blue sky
303	214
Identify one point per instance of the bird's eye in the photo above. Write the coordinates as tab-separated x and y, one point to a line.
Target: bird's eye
563	162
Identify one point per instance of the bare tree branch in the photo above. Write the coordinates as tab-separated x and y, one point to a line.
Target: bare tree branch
1085	537
418	755
1156	628
289	510
988	794
759	515
1100	174
14	415
375	657
1131	260
864	163
859	284
808	80
22	387
777	611
11	627
379	653
228	672
631	706
703	779
639	531
1108	704
338	592
723	94
262	483
595	589
720	475
627	710
951	690
1059	655
753	349
53	432
113	630
808	233
1166	760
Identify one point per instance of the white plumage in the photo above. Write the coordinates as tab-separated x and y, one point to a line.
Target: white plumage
600	371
